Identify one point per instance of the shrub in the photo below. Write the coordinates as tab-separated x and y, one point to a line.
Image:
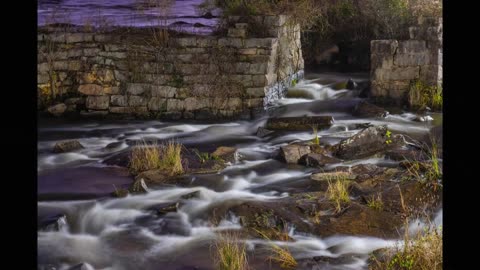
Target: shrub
422	252
337	192
230	253
146	157
421	95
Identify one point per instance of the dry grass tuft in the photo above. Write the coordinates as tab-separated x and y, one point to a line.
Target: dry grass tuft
146	157
230	253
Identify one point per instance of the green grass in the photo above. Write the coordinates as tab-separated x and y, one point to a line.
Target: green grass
421	252
146	157
316	139
337	193
230	253
421	95
375	202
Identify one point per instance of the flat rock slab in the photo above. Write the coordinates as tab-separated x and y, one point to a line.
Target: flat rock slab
299	123
81	183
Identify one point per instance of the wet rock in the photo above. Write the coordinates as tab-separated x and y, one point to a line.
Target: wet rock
82	266
53	223
425	118
365	109
57	110
164	208
153	176
113	145
170	223
299	123
208	15
67	146
366	143
400	154
263	132
359	126
228	154
317	160
120	193
351	85
293	152
190	195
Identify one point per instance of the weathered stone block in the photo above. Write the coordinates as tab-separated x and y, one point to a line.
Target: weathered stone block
231	42
91	51
396	73
42	78
410	59
118	100
121	110
163	91
259	80
381	60
237	33
175	104
137	101
431	74
75	101
97	102
411	46
206	42
157	104
74	53
259	42
74	37
91	89
138	88
257	68
186	41
256	92
60	65
383	46
111	90
74	65
241	68
115	55
253	103
102	38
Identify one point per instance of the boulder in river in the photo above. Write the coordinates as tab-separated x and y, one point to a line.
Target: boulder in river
293	152
263	132
317	160
299	123
164	208
367	142
157	176
365	109
228	154
67	146
57	110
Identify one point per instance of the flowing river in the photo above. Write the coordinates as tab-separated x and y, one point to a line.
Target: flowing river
123	234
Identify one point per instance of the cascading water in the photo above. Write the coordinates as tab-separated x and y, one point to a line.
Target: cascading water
125	233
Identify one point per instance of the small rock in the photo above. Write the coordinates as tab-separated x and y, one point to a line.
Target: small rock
263	132
317	160
190	195
57	110
365	109
163	208
228	154
113	145
351	85
293	152
67	146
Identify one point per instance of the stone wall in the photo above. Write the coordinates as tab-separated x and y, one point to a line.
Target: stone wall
151	73
396	63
